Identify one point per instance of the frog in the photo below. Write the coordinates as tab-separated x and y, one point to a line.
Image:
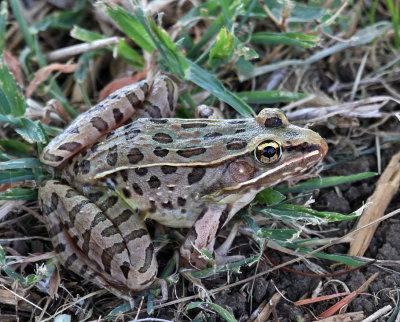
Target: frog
128	160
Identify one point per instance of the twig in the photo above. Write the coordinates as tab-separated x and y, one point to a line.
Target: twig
65	53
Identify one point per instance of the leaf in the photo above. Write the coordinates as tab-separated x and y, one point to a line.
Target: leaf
11	99
224	313
210	83
23	163
289	38
270	196
269	97
43	74
16	148
3	22
15	176
132	27
223	47
364	36
31	132
19	194
319	183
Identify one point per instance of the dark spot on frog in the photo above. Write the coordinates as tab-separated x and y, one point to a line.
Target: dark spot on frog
144	86
273	122
76	168
160	152
70	146
240	131
133	99
98	218
84	153
183	211
237	122
109	253
137	189
60	248
159	121
126	192
196	175
224	216
167	205
303	147
109	231
125	268
236	144
162	138
123	217
154	182
112	156
134	156
111	201
181	201
71	193
73	130
70	260
99	124
152	110
131	134
110	134
83	270
85	166
167	169
190	152
141	171
95	196
170	91
153	206
124	175
94	147
193	125
212	135
148	259
118	115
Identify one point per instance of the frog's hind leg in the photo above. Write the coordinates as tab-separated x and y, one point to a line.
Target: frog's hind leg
96	247
154	99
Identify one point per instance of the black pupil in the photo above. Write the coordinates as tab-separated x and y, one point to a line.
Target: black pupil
269	152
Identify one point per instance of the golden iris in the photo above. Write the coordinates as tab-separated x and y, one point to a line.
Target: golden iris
268	151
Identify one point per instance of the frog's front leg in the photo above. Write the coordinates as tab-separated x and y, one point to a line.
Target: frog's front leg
203	233
112	248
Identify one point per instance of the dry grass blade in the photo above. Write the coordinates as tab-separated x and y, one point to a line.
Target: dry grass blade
346	317
386	188
347	299
267	309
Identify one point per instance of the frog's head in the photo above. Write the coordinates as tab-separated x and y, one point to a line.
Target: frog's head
277	152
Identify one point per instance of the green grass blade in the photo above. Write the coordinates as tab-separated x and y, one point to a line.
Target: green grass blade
19	194
290	39
15	176
3	22
270	97
11	97
319	183
23	163
210	83
224	313
132	27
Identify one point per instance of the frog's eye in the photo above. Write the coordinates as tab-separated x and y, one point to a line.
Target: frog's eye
268	151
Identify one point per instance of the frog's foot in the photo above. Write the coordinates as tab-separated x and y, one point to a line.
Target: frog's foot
221	252
208	112
95	244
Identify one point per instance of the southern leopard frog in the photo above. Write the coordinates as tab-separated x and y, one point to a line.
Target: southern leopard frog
125	160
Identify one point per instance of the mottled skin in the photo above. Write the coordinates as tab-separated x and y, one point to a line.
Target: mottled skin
182	173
